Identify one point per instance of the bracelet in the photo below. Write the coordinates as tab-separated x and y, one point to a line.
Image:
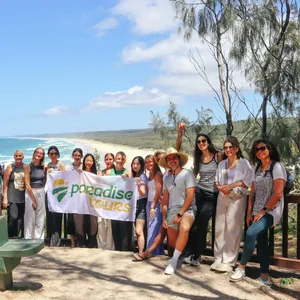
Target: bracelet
179	133
151	208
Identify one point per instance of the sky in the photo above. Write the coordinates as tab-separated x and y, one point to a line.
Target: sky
73	65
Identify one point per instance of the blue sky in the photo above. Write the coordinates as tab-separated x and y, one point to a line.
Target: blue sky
73	65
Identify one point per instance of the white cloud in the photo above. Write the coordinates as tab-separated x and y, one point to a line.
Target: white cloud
56	110
105	25
148	16
135	96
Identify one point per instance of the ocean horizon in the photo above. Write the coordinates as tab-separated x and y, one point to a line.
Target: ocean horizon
8	145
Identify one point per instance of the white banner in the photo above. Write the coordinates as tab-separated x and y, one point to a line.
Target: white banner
110	197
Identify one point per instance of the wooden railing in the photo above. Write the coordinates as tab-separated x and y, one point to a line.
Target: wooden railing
282	258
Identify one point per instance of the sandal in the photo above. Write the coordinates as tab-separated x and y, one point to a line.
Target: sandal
139	258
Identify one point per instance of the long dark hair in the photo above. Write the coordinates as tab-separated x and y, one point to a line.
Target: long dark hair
235	143
142	163
93	168
197	152
274	154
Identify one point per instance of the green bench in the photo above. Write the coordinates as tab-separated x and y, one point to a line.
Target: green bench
11	252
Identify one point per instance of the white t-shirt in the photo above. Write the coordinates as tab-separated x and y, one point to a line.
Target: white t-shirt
263	183
177	185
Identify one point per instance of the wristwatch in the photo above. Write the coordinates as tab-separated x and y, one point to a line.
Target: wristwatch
179	215
265	208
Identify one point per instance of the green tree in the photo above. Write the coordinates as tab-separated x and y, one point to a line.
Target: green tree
211	20
166	127
266	43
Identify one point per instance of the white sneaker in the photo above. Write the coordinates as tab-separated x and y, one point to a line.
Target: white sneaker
238	274
223	268
265	282
170	269
188	260
214	265
195	262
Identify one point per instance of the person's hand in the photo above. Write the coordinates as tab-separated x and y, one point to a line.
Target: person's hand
124	176
160	199
165	224
181	127
50	170
224	189
34	204
259	215
248	219
152	212
79	170
176	220
4	204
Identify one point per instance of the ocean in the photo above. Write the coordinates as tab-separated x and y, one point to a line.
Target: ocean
9	145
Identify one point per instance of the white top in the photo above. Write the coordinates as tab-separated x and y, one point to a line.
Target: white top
177	185
264	183
151	189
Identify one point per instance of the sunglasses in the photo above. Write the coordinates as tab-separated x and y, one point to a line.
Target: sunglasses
201	141
53	153
262	149
228	148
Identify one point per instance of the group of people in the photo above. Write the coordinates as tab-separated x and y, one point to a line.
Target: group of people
173	202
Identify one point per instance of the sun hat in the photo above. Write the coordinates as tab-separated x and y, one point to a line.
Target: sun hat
183	158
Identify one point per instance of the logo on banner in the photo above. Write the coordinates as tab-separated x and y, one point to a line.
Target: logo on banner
61	189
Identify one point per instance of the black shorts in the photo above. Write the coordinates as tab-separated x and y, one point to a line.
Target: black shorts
141	209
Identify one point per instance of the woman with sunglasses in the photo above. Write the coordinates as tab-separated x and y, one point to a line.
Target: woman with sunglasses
265	206
206	159
54	219
233	177
35	178
76	165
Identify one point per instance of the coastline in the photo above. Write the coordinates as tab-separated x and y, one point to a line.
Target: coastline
90	145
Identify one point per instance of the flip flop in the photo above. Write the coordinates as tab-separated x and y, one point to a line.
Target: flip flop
139	258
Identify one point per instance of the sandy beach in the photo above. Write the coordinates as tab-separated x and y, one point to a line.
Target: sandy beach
90	146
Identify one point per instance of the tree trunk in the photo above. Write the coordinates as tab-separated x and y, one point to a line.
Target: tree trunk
227	107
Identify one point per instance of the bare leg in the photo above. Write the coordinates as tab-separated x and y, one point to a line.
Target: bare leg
157	241
139	229
185	226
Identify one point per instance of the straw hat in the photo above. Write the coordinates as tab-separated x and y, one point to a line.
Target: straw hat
182	161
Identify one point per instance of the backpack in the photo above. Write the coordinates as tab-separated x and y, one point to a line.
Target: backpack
290	180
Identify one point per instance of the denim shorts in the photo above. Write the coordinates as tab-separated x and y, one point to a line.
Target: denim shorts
173	211
141	209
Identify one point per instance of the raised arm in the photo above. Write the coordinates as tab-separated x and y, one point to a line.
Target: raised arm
181	128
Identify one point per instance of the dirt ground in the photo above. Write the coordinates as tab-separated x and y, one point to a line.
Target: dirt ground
64	273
